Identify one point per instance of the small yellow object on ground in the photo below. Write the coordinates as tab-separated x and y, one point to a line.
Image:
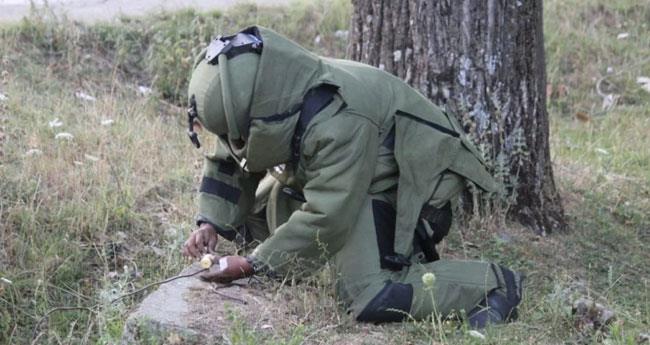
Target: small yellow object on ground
207	260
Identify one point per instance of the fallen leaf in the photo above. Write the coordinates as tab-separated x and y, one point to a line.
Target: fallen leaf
602	151
107	122
583	116
91	157
174	339
558	91
623	35
5	280
591	315
266	326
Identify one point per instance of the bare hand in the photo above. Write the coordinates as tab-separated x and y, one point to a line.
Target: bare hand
201	241
228	268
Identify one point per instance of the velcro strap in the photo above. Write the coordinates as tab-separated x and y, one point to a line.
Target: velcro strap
313	103
244	42
389	141
433	125
220	189
227	167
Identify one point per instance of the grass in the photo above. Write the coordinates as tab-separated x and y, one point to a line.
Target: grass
85	219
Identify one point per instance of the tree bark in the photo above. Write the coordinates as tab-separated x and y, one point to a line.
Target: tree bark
484	61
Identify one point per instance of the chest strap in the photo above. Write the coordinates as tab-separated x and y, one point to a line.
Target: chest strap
314	101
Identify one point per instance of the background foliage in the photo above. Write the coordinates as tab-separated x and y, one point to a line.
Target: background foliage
88	218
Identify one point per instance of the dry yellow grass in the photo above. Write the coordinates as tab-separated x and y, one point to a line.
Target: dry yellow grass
90	217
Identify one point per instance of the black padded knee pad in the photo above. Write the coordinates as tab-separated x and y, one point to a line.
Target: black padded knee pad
493	310
499	306
392	304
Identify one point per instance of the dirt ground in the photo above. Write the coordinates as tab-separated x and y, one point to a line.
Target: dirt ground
98	10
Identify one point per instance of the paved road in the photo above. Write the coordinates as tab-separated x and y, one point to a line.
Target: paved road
94	10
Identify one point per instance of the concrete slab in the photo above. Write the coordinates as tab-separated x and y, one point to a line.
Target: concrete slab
189	311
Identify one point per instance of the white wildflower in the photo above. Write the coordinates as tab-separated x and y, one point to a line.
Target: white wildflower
107	122
644	82
476	334
33	152
144	90
55	123
84	96
429	280
3	97
623	35
64	135
317	39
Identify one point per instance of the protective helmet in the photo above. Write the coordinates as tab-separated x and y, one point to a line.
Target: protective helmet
222	84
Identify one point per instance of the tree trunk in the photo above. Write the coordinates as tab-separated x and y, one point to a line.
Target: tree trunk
484	61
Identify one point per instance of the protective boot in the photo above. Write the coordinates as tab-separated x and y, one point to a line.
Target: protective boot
498	308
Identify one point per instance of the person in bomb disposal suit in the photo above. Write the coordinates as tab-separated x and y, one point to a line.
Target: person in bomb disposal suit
320	160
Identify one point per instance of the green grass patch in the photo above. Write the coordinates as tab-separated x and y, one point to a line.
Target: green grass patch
87	218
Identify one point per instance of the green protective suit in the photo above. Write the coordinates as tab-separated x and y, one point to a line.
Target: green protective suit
347	185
